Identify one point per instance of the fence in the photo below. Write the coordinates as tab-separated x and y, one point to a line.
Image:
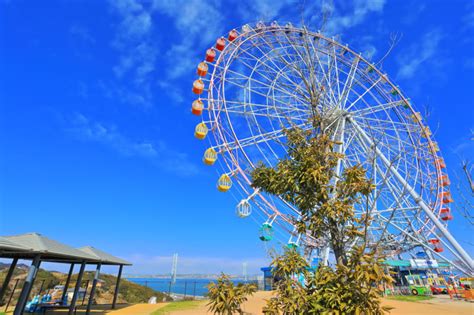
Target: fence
183	288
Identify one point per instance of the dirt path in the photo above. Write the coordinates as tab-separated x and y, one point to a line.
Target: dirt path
138	309
438	306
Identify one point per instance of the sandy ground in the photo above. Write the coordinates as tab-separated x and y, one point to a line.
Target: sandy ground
437	306
440	305
123	309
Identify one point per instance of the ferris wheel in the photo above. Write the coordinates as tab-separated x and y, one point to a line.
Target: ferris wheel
262	79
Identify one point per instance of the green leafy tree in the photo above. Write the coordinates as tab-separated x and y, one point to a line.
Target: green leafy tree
307	178
293	297
226	298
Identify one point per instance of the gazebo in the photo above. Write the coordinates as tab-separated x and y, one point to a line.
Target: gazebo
38	248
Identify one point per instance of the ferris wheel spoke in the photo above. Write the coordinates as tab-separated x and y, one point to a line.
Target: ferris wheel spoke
390	184
244	87
363	94
348	83
247	78
374	109
263	114
263	137
272	67
466	258
299	92
388	123
272	79
325	76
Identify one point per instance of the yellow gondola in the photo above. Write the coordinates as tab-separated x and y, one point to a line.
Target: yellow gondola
426	133
224	183
416	117
210	156
201	131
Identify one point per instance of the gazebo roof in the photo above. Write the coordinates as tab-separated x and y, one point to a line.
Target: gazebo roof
7	245
49	249
104	257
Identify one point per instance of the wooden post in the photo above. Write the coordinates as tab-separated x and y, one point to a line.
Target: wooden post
4	287
25	291
94	284
66	285
76	289
117	285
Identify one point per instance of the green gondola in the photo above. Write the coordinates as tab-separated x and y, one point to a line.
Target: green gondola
266	232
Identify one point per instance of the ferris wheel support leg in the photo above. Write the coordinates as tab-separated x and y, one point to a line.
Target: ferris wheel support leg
339	135
466	258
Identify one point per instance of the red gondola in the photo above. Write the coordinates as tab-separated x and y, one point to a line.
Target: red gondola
233	35
210	55
220	44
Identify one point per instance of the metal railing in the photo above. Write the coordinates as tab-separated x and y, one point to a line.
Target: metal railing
183	288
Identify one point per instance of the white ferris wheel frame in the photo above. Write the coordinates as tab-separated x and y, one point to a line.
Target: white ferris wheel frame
423	203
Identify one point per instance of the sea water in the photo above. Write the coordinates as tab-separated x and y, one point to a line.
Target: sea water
184	287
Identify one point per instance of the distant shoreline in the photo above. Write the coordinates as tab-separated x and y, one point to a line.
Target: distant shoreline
190	276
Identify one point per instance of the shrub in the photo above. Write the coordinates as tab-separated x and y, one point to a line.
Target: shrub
226	298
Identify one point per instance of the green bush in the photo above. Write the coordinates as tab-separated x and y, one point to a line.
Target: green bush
226	298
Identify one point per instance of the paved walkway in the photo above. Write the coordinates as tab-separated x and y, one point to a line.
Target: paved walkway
138	309
440	305
123	309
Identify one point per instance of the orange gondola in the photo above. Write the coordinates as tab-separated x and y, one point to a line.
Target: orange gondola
446	197
202	69
440	163
445	181
197	107
198	86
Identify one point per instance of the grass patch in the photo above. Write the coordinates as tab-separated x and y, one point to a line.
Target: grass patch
410	298
177	306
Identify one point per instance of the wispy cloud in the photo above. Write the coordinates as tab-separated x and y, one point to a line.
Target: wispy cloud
109	135
419	53
82	33
137	53
265	10
341	20
198	23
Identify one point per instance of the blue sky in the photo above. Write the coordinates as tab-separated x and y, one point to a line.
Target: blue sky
96	138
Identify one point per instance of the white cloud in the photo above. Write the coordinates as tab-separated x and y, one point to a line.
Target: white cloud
107	134
265	10
199	23
137	53
359	11
419	53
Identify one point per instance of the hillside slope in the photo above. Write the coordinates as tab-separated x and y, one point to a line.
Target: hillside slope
129	292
